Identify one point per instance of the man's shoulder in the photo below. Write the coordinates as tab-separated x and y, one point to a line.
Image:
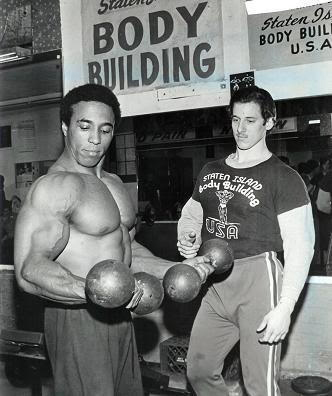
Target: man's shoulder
112	177
59	181
56	189
288	184
214	165
112	180
281	167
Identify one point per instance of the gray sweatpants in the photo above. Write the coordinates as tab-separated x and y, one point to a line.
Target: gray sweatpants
92	351
232	310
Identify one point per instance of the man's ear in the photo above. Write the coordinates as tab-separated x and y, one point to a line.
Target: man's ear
270	123
64	128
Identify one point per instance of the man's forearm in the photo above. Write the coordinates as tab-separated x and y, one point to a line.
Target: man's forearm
191	219
298	235
294	278
52	281
144	260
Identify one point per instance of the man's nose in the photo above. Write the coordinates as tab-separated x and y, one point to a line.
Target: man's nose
94	136
241	127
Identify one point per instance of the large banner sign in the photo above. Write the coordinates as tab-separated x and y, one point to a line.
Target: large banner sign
139	45
291	37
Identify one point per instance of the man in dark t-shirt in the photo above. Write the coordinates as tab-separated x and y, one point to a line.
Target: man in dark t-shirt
260	206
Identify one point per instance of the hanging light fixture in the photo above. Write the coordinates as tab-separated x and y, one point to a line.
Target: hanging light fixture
16	35
14	54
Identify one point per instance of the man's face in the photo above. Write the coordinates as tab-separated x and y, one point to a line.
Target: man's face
90	132
248	125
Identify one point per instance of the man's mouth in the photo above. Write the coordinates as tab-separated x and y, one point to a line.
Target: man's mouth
92	153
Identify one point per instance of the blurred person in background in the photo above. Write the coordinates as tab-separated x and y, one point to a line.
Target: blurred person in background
323	203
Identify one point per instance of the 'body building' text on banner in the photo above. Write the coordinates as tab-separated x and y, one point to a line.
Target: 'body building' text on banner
133	46
292	37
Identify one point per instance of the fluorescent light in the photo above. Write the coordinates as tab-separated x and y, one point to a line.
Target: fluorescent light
264	6
12	59
314	122
14	54
7	55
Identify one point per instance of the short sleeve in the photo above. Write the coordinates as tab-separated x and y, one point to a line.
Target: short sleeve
291	191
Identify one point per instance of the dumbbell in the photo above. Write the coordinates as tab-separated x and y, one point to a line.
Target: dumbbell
110	284
182	282
153	293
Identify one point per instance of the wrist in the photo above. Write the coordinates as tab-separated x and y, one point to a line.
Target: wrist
287	303
79	287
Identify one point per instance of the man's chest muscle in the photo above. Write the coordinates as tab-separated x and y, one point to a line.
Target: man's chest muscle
97	212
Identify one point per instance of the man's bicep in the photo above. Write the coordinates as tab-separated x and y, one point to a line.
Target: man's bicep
42	227
39	235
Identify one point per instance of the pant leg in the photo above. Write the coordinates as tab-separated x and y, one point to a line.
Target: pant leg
260	362
212	338
233	308
92	352
129	380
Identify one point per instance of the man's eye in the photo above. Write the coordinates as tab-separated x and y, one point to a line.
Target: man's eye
84	127
107	130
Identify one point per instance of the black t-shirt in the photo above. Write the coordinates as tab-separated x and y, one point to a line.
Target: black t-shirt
242	205
325	183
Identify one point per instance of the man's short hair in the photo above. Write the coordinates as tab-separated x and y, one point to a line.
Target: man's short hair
312	164
257	95
89	93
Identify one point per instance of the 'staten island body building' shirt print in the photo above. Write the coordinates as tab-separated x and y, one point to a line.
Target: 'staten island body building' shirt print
242	205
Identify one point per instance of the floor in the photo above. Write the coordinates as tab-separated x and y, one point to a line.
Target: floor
8	389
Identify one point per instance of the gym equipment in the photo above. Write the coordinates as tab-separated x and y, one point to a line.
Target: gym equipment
153	293
311	385
25	358
219	252
110	284
152	377
182	283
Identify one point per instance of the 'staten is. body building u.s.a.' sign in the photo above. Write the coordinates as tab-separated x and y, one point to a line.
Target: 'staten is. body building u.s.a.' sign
292	37
139	45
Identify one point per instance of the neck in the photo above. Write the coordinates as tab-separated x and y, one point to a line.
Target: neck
255	153
250	157
66	162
